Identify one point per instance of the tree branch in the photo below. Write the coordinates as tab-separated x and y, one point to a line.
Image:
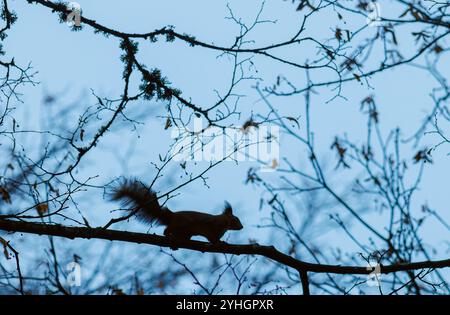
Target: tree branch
252	249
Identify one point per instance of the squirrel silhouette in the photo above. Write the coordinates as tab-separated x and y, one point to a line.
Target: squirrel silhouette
181	225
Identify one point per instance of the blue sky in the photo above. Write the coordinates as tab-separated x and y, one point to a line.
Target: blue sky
72	63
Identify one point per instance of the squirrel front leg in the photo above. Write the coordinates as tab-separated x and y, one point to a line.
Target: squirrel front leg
214	238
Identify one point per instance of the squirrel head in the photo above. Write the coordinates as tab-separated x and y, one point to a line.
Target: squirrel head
233	222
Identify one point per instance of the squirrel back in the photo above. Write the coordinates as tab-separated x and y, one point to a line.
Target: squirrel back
143	202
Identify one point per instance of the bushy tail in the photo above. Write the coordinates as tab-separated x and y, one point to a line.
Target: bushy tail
141	200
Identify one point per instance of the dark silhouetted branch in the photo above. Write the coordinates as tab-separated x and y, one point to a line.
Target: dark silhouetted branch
252	249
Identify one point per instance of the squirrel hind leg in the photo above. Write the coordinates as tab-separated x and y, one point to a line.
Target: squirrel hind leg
168	233
176	236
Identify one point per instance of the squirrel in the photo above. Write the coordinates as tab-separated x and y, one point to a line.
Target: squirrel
180	225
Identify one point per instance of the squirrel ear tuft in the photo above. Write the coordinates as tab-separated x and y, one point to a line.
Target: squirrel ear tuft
228	210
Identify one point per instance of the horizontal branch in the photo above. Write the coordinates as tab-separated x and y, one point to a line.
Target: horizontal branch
251	249
62	8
